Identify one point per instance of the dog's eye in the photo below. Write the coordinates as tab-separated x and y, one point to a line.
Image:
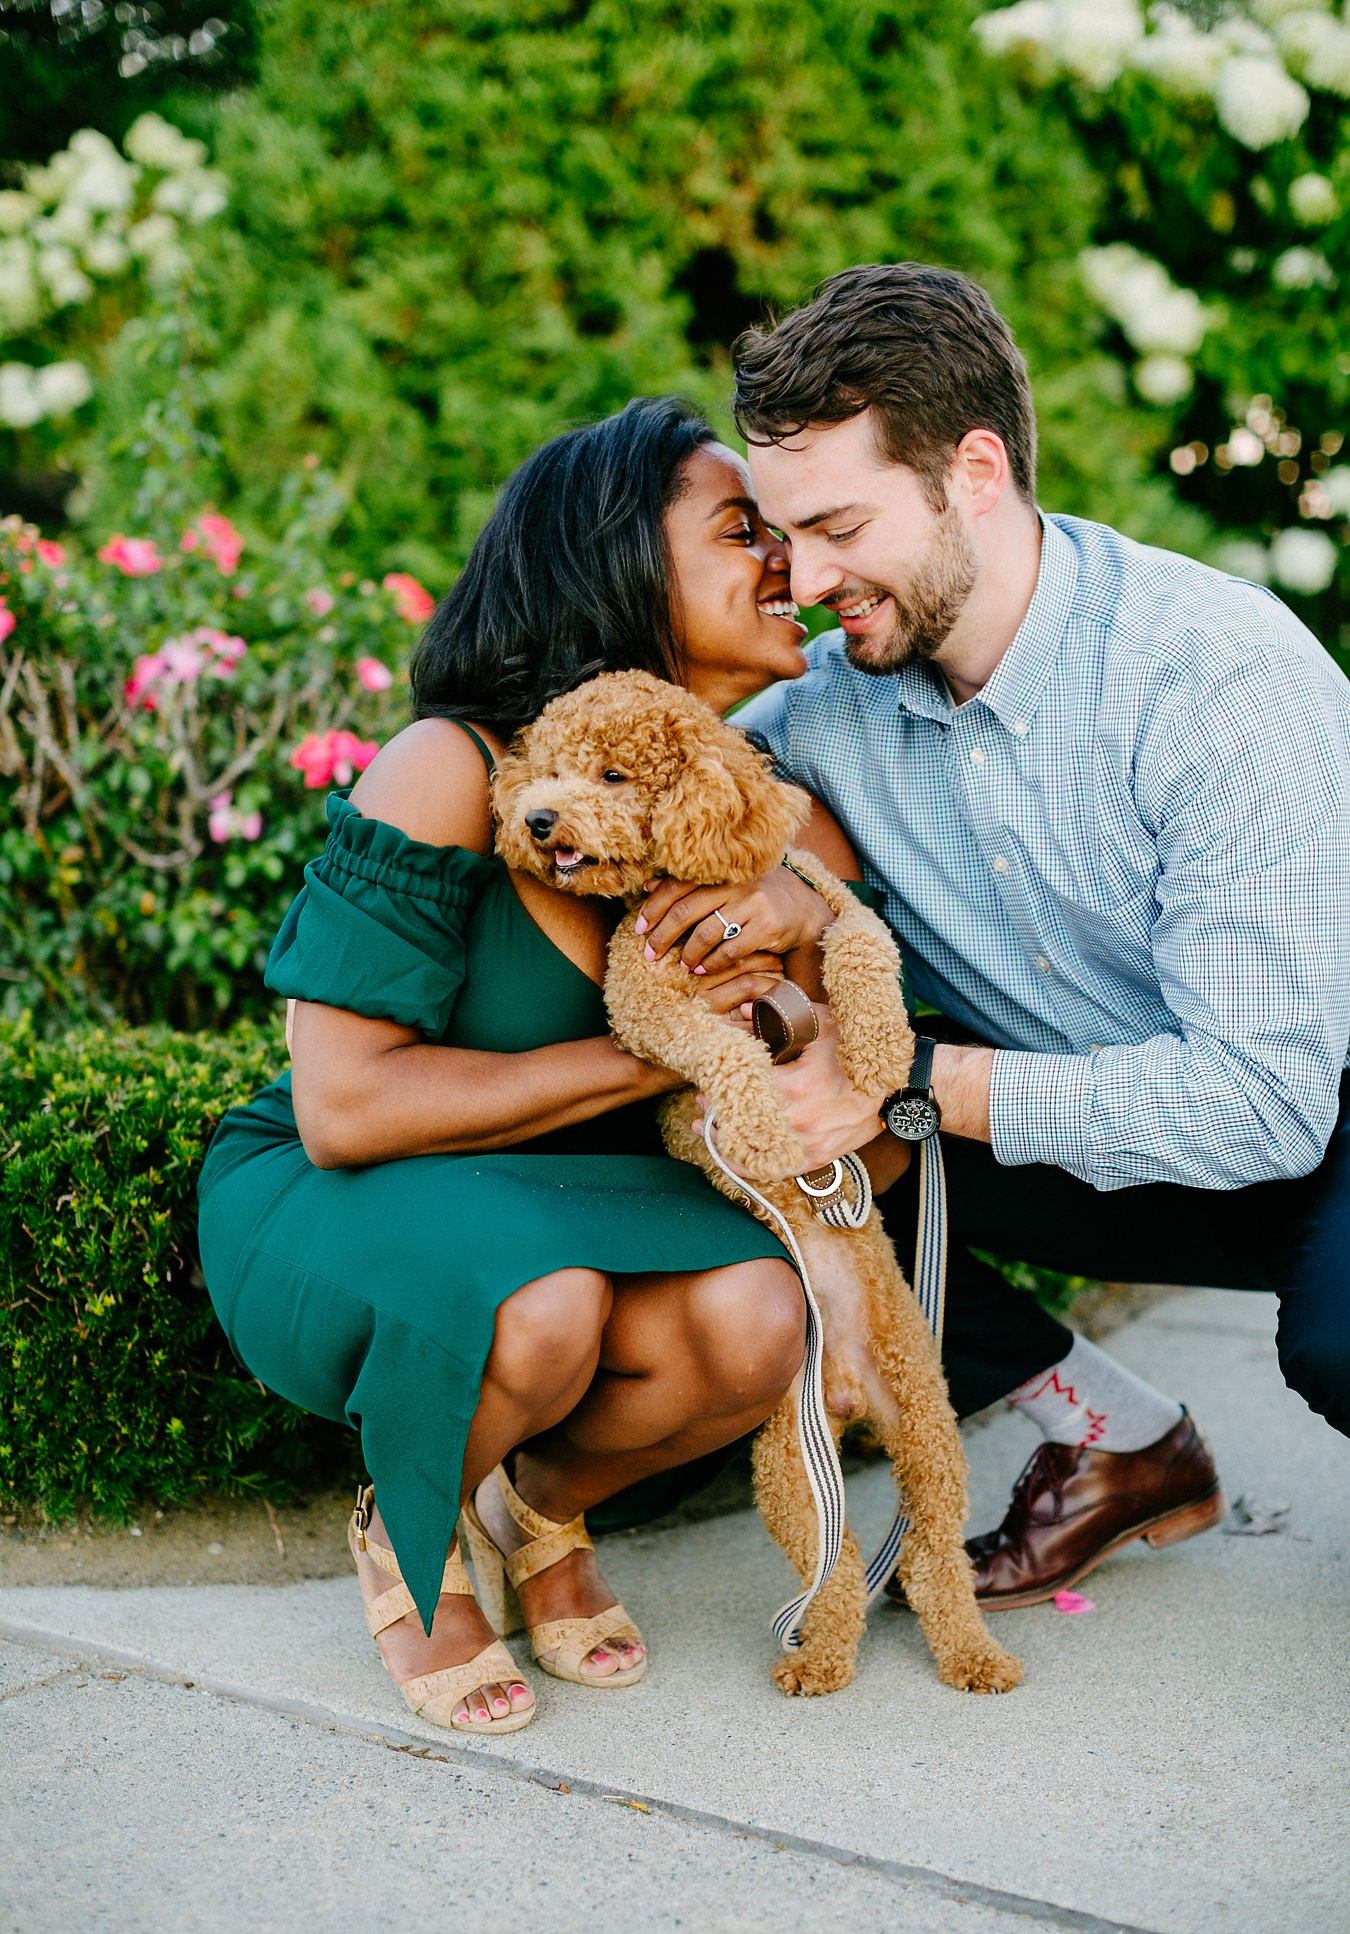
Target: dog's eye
612	778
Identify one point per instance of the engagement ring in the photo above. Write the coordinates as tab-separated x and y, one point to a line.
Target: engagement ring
730	928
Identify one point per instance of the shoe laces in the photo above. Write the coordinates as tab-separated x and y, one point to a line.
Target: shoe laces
1040	1472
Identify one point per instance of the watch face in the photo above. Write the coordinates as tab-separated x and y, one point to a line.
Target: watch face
913	1117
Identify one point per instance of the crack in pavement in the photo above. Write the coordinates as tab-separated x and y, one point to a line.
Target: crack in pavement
452	1752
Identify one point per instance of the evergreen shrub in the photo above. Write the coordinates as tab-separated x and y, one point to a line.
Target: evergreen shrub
116	1381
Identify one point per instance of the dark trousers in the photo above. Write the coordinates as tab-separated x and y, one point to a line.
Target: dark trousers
1290	1237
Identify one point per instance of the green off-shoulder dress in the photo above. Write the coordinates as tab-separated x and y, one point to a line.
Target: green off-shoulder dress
368	1295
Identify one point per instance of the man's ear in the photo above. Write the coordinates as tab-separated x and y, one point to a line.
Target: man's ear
725	818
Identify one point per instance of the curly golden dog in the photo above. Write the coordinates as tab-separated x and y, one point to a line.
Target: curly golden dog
628	777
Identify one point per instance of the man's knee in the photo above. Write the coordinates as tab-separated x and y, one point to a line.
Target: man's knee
549	1331
748	1327
1314	1355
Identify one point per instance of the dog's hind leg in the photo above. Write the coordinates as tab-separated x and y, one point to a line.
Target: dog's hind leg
834	1622
920	1433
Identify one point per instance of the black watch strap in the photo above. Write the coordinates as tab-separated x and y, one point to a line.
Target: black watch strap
921	1073
913	1115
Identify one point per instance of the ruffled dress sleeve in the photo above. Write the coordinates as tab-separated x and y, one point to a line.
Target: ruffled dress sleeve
378	926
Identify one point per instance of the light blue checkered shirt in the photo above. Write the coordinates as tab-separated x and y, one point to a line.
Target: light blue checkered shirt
1126	863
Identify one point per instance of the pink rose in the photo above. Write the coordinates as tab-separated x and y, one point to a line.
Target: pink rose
135	557
219	821
51	554
225	821
139	688
373	675
7	621
411	600
224	650
320	602
218	537
181	661
330	757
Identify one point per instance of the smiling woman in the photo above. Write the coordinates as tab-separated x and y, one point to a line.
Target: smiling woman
453	1224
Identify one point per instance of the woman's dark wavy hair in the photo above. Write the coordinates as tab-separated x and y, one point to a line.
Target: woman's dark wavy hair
569	576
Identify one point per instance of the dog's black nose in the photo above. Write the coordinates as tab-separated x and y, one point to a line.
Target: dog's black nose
541	822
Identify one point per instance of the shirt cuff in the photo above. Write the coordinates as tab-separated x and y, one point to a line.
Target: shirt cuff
1039	1109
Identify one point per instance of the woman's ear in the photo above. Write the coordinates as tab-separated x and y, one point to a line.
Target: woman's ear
725	818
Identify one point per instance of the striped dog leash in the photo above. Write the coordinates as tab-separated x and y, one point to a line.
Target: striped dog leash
819	1455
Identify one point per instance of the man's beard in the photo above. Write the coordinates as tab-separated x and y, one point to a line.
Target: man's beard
929	606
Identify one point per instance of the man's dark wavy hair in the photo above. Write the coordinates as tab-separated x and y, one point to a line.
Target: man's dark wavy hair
923	348
570	575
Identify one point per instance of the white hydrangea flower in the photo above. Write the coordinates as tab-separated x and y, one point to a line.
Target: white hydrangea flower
197	194
106	254
1336	483
1094	39
49	184
1313	201
1303	561
1027	28
1258	102
17	210
105	181
152	236
157	143
20	405
21	301
70	222
1180	60
65	279
1155	315
1318	48
1302	268
62	387
1244	559
1163	379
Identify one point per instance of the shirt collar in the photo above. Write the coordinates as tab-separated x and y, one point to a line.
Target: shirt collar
1019	679
1021	675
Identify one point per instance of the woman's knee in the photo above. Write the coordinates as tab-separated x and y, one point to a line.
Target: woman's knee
748	1326
548	1332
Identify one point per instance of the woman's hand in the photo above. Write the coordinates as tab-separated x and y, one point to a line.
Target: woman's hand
776	915
733	990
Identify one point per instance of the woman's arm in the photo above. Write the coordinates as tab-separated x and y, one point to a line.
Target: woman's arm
374	1091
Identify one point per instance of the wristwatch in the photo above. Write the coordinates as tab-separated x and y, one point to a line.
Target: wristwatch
913	1115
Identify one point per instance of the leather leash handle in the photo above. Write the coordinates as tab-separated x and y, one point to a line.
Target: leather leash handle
785	1021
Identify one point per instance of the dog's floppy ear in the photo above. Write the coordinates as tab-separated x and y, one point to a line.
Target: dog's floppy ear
724	818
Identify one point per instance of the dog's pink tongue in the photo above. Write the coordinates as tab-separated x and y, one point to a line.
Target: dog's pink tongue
566	855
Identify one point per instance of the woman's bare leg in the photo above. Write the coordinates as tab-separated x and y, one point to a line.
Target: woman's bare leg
687	1364
543	1358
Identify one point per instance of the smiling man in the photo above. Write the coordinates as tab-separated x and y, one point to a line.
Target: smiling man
1104	792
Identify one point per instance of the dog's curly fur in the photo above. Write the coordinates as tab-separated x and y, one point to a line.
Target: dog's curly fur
645	779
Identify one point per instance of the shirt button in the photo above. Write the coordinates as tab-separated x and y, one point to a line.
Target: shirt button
1000	864
1020	728
1043	963
977	755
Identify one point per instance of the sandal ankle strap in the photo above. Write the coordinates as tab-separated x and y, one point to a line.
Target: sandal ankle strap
396	1603
549	1540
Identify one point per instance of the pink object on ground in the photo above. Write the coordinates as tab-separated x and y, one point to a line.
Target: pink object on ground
1072	1603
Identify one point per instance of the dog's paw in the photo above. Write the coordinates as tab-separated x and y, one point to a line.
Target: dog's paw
989	1670
800	1675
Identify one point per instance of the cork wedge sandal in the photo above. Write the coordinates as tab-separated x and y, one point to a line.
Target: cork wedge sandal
435	1695
561	1644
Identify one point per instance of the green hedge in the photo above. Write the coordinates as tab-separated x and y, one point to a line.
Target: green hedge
116	1381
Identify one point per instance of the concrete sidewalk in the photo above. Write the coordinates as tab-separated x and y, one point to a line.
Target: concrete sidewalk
1177	1760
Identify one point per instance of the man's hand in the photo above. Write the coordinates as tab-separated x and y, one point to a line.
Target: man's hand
776	915
824	1108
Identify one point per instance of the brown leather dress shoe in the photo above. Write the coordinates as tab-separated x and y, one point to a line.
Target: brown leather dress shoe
1071	1508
